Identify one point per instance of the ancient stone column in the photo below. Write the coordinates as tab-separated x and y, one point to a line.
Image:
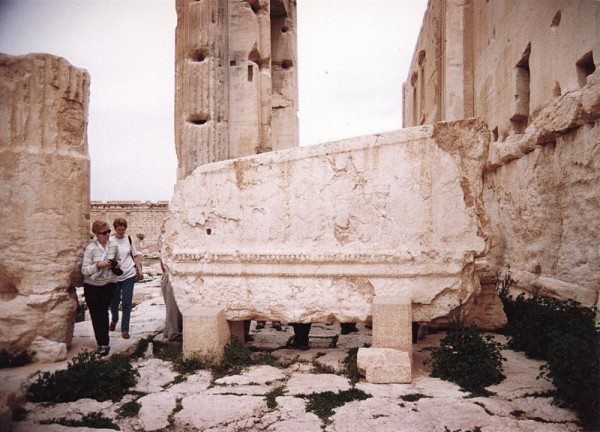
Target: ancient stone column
201	105
236	80
44	196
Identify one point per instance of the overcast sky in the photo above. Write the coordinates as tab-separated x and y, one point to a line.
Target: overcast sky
353	56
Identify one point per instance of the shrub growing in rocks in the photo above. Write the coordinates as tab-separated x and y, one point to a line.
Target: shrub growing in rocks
85	377
467	358
565	334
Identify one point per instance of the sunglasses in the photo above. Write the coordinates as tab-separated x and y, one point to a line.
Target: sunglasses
107	232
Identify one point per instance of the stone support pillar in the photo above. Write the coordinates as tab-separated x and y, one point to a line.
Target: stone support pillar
390	358
44	196
457	64
392	322
384	365
205	333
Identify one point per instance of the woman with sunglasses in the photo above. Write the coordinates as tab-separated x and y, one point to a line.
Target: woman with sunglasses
99	281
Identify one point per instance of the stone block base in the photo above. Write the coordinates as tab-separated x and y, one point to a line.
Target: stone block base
205	333
384	365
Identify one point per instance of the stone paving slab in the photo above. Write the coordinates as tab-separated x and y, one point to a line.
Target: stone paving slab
239	402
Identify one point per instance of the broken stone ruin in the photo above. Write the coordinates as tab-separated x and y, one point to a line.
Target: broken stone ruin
496	170
320	233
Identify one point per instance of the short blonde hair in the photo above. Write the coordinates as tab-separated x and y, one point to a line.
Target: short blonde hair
99	226
119	222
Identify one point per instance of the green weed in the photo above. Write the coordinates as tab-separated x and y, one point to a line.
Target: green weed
128	409
85	377
351	367
323	404
413	397
92	420
271	397
467	358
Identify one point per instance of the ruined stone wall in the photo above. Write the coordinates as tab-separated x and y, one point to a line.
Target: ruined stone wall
421	92
529	71
236	79
44	196
144	220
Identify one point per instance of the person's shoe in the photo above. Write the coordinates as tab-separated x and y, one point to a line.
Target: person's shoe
103	350
302	347
125	335
112	326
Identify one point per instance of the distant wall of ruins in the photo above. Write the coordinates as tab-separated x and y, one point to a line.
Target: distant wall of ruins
529	70
44	197
144	220
236	79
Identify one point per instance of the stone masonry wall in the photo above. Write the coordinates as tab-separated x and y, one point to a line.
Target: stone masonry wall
144	220
44	196
529	70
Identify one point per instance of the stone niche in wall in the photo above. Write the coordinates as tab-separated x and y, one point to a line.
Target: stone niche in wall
314	233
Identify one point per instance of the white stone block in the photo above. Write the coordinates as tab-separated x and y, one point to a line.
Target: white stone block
384	365
205	333
48	351
314	233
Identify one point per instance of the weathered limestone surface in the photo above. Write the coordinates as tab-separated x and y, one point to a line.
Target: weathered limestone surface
485	310
384	365
390	408
529	71
392	322
236	79
541	189
201	81
313	233
205	333
44	196
48	351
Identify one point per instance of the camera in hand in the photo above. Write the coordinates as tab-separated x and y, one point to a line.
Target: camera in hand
114	266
